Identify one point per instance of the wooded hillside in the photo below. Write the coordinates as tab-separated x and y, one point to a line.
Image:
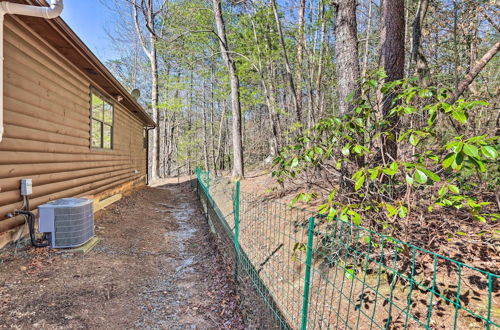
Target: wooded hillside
384	110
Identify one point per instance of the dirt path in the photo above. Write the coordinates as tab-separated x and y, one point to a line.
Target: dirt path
155	268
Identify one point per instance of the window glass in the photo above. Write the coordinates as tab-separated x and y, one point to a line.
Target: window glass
108	114
102	123
107	136
97	107
96	134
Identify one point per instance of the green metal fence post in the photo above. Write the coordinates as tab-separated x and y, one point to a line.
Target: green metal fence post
236	210
307	281
208	182
198	181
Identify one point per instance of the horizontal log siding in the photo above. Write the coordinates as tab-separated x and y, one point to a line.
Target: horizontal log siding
47	129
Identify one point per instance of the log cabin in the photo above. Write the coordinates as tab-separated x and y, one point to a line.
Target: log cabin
68	124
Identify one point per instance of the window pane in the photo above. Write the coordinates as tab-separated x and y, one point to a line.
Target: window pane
97	105
108	113
107	137
96	134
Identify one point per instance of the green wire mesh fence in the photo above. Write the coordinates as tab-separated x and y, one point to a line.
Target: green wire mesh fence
319	274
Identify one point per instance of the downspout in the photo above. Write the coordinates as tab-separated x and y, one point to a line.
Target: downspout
148	129
54	10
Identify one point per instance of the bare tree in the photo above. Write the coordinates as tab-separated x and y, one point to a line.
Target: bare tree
238	171
289	74
145	25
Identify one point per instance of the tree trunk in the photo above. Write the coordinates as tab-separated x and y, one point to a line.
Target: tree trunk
238	171
150	49
393	61
417	55
154	143
205	130
300	50
367	41
346	49
274	143
293	90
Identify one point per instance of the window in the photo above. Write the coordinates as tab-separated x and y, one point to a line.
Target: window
102	123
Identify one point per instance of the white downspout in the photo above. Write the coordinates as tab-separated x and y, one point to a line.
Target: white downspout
53	11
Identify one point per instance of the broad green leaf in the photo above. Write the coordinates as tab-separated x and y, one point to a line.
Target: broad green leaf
457	162
332	196
318	150
357	149
373	174
454	189
409	179
479	164
403	210
389	172
420	176
295	162
471	150
460	116
489	152
332	213
355	217
345	150
359	182
391	209
414	140
449	160
349	273
433	176
442	191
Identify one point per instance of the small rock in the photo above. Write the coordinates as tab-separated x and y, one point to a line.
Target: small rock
23	268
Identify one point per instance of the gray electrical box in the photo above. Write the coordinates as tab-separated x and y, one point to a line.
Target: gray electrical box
26	187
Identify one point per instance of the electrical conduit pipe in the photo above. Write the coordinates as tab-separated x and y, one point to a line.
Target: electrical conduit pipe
54	10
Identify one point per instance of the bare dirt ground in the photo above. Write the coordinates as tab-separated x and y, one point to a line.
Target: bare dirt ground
155	268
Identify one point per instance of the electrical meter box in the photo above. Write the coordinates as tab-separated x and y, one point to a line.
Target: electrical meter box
26	187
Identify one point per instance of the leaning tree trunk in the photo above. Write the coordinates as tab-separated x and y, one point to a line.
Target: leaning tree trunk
393	61
474	71
346	49
235	91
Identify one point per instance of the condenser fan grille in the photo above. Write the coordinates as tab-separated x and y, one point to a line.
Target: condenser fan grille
73	226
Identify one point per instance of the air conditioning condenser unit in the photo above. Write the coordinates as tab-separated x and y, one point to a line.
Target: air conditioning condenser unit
68	221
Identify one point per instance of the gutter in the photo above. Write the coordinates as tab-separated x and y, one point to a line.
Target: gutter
54	10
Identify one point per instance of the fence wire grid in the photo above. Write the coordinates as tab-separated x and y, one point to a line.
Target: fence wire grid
312	273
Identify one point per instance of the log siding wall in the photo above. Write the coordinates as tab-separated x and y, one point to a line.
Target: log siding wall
47	128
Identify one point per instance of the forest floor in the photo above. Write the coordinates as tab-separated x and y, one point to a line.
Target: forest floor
437	232
266	228
155	267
